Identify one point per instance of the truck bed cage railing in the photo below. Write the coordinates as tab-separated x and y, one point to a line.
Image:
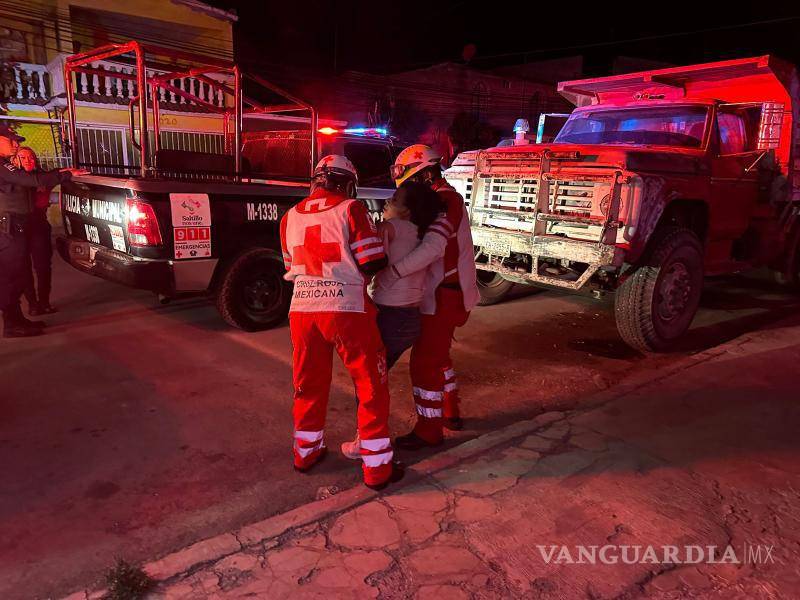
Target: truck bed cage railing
215	73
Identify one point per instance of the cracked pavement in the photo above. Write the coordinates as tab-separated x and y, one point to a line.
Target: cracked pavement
706	456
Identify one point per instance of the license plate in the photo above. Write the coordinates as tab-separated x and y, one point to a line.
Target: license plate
497	248
92	234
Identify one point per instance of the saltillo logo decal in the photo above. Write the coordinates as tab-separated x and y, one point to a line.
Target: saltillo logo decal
191	225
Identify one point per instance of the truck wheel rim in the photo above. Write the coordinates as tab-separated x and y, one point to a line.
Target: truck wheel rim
674	292
260	293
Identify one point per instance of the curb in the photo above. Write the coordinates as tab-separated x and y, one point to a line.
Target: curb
213	549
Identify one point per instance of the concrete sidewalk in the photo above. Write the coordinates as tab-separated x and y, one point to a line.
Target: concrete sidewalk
705	456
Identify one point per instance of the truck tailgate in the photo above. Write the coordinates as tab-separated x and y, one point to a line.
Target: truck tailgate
95	214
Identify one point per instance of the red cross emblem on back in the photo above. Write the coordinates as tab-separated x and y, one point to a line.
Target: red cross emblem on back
314	253
418	155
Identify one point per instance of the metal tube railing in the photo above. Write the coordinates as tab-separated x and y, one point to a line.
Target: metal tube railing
82	63
72	143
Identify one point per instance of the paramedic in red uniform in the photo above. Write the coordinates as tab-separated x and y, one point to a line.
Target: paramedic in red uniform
331	250
451	292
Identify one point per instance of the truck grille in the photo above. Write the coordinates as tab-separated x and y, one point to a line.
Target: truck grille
463	185
511	204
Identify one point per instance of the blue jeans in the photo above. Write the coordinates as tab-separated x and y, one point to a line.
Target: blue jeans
400	327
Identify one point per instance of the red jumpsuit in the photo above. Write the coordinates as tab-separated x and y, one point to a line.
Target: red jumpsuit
447	251
327	241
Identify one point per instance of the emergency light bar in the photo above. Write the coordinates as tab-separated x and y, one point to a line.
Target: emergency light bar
379	131
367	131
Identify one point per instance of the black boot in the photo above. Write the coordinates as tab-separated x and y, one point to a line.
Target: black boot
15	316
35	325
13	328
411	441
18	317
45	308
398	472
453	423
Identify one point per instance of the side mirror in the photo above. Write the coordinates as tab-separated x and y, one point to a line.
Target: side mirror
769	129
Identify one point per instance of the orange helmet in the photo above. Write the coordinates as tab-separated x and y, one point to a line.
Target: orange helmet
412	160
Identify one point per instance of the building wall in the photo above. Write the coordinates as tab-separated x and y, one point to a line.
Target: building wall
207	34
47	30
427	105
47	25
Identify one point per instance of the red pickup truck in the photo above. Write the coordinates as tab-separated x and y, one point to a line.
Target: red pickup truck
656	180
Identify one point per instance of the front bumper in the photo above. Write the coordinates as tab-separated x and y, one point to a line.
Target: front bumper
144	274
595	255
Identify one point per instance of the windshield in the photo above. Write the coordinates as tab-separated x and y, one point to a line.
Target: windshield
681	126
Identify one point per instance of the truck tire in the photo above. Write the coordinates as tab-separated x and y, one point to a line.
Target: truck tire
656	303
493	287
252	294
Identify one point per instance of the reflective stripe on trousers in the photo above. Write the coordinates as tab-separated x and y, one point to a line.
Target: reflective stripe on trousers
430	360
428	402
307	442
377	452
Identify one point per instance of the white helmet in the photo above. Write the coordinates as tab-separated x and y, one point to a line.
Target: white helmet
336	164
412	160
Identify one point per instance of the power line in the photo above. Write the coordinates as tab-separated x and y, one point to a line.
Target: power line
610	43
641	38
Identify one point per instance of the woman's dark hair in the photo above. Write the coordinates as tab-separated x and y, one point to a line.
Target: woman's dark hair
423	203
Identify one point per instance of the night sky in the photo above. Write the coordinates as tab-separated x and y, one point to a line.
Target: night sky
328	35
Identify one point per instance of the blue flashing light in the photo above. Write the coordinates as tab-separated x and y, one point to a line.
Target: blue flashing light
367	131
521	126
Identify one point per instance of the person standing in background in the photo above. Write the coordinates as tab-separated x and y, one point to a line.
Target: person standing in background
40	244
15	208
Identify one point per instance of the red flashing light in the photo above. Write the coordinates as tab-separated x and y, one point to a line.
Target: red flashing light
142	224
327	130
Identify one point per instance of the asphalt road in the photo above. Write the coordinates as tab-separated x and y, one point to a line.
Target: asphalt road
133	429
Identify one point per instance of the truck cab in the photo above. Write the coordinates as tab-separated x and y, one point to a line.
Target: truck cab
655	180
282	153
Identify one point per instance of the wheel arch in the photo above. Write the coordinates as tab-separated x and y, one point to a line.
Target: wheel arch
691	214
663	206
